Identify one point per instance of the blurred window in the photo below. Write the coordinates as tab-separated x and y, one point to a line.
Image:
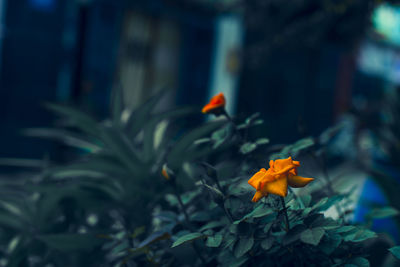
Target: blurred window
149	54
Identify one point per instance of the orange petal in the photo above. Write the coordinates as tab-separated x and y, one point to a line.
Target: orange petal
271	163
277	187
218	99
298	181
256	179
293	171
285	171
283	166
296	163
216	102
258	195
210	107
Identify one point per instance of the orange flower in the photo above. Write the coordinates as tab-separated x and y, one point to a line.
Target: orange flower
216	104
275	180
166	172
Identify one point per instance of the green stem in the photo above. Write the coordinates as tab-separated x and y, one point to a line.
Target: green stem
183	208
228	117
285	213
298	199
219	185
329	184
228	214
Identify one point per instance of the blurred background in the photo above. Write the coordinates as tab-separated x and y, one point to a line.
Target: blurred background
305	65
301	64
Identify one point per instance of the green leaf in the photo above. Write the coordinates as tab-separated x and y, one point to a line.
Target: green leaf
262	141
95	163
186	238
121	248
360	235
210	170
306	199
321	221
155	237
150	127
259	211
214	241
293	234
384	212
248	147
138	231
200	216
320	203
78	118
202	141
252	118
222	135
312	236
13	244
178	153
267	243
71	139
344	229
306	211
313	218
12	208
212	225
330	243
329	133
251	121
302	144
243	246
267	227
167	216
122	147
71	242
229	241
140	116
24	163
233	262
330	202
171	199
117	103
214	191
292	150
68	173
395	251
360	262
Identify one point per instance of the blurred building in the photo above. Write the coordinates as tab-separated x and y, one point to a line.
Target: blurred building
77	51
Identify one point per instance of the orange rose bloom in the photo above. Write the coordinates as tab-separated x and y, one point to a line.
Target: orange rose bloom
216	104
275	180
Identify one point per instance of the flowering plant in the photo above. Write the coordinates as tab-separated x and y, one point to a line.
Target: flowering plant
181	199
218	224
275	180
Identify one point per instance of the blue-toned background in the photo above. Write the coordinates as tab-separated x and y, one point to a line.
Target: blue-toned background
302	66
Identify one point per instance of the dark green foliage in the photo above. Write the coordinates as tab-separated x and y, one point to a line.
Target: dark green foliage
187	238
93	204
227	229
111	206
395	251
